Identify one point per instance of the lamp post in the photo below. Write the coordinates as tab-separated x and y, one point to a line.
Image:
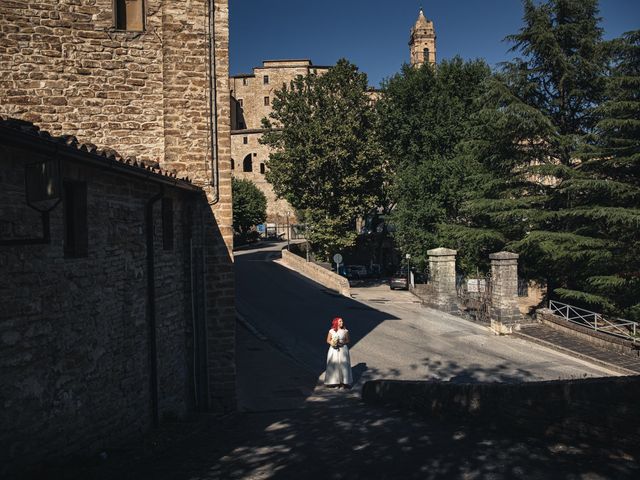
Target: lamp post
288	233
408	257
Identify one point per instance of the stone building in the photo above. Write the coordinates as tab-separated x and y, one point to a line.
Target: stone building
251	96
422	43
114	101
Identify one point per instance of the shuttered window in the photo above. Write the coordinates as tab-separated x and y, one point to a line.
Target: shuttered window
129	15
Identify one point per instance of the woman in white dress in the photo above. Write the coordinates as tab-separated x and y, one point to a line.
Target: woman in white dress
338	373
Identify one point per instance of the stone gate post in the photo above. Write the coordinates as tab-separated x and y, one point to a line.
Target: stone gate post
505	314
442	268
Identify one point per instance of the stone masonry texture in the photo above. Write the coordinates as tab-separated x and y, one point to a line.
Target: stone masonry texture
251	97
73	330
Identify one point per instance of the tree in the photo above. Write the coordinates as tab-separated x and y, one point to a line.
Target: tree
325	161
606	192
421	119
249	206
566	214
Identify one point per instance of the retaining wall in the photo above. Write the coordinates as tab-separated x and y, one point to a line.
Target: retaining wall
603	340
602	409
317	273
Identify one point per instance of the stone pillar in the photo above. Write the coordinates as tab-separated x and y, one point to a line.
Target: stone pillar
442	268
505	313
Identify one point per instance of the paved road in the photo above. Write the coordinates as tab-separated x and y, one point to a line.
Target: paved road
393	336
289	427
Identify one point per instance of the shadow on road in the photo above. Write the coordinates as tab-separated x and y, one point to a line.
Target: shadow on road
292	429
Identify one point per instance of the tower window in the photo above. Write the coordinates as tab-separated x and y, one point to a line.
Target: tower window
245	140
129	15
265	79
240	102
76	234
262	169
247	164
425	54
233	164
267	102
244	81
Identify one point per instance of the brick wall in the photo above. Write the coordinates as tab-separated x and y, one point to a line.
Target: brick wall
145	94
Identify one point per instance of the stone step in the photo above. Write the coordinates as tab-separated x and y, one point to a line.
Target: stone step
566	343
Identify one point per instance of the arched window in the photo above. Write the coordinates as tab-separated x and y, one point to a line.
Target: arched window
247	164
425	54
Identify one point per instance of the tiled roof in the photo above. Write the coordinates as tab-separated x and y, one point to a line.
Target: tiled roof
109	156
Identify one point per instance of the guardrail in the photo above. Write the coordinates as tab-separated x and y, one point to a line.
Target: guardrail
620	328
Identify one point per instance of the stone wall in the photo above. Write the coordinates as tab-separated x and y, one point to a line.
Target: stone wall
248	108
316	273
602	409
74	332
145	94
277	208
603	340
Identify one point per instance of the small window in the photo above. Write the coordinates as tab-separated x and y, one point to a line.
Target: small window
240	102
247	164
425	53
265	79
76	235
267	102
262	168
129	15
233	164
244	81
245	140
167	223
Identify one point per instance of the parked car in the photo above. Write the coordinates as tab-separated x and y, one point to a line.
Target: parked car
356	271
399	280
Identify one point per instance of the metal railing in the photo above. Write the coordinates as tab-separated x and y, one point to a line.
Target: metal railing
619	327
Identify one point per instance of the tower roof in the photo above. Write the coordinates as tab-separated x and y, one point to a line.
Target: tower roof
421	21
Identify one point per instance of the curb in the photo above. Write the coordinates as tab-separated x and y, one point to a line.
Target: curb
553	346
249	326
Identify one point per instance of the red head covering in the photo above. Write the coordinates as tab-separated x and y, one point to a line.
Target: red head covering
334	323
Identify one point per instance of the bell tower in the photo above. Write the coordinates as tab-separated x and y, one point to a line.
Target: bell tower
422	43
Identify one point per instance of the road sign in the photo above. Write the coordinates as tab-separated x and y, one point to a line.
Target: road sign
337	258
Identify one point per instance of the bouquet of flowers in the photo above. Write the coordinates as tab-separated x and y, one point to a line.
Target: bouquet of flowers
335	342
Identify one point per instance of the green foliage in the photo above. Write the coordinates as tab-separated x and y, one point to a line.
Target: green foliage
326	162
558	138
421	119
249	206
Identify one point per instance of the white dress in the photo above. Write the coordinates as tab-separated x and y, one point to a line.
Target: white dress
338	361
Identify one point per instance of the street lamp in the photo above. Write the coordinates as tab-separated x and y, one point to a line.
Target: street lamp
288	232
408	257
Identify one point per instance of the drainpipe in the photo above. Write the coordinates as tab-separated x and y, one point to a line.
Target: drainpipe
151	306
213	106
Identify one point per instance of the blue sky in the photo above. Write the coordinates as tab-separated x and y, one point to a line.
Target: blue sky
373	34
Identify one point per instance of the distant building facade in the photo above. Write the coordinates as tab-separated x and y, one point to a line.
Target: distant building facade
422	43
251	97
118	304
